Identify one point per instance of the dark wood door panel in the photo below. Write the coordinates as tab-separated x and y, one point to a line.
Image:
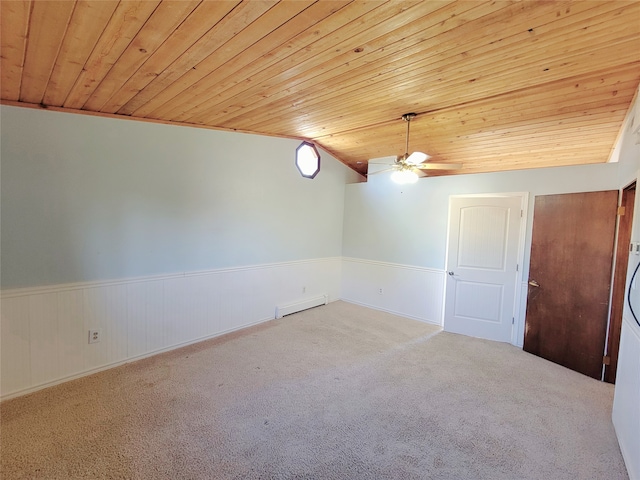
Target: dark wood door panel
571	259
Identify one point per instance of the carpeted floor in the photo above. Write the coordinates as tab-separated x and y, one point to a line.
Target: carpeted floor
336	392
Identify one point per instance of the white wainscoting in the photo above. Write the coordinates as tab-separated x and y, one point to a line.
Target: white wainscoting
626	402
413	292
44	331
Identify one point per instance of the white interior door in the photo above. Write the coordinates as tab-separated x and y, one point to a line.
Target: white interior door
482	264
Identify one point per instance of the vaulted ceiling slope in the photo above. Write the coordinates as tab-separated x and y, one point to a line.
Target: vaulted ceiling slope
497	85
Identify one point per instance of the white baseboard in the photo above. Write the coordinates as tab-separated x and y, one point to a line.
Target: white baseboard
301	305
86	373
393	312
406	290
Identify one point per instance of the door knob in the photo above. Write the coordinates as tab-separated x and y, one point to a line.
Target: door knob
533	283
451	273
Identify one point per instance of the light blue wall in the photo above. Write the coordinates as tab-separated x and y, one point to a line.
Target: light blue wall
408	224
87	198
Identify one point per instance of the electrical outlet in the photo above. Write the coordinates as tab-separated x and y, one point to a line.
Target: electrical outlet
380	291
95	336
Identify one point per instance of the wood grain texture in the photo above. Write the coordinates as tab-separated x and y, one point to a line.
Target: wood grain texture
123	26
190	31
310	62
251	63
190	64
15	21
85	27
496	85
164	20
571	260
47	28
619	283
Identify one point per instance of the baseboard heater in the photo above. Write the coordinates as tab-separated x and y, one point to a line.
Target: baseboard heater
305	304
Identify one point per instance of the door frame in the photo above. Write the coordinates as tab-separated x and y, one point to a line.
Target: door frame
618	281
517	330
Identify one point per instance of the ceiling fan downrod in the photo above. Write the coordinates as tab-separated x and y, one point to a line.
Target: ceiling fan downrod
407	117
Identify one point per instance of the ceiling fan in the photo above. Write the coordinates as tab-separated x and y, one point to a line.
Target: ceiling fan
407	165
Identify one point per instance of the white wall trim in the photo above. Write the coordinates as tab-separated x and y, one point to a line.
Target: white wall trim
626	401
392	312
299	306
44	330
23	291
407	290
108	366
521	313
517	333
393	265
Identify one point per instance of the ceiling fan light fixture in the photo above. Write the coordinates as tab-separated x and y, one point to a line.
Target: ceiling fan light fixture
403	177
407	166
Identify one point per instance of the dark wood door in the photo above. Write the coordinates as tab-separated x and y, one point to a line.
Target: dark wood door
570	277
619	279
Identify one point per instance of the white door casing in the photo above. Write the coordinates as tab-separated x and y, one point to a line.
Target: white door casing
483	265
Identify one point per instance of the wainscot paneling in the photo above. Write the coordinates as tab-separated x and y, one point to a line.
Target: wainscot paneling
626	402
413	292
45	331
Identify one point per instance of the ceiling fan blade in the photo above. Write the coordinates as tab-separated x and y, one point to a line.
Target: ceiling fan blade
439	166
379	163
416	158
381	171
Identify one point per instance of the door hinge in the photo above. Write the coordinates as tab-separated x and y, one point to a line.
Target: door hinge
606	360
513	320
621	210
517	267
521	213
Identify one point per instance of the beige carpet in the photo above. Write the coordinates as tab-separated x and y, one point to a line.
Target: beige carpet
336	392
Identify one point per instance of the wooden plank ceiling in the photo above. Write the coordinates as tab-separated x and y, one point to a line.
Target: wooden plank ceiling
497	85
